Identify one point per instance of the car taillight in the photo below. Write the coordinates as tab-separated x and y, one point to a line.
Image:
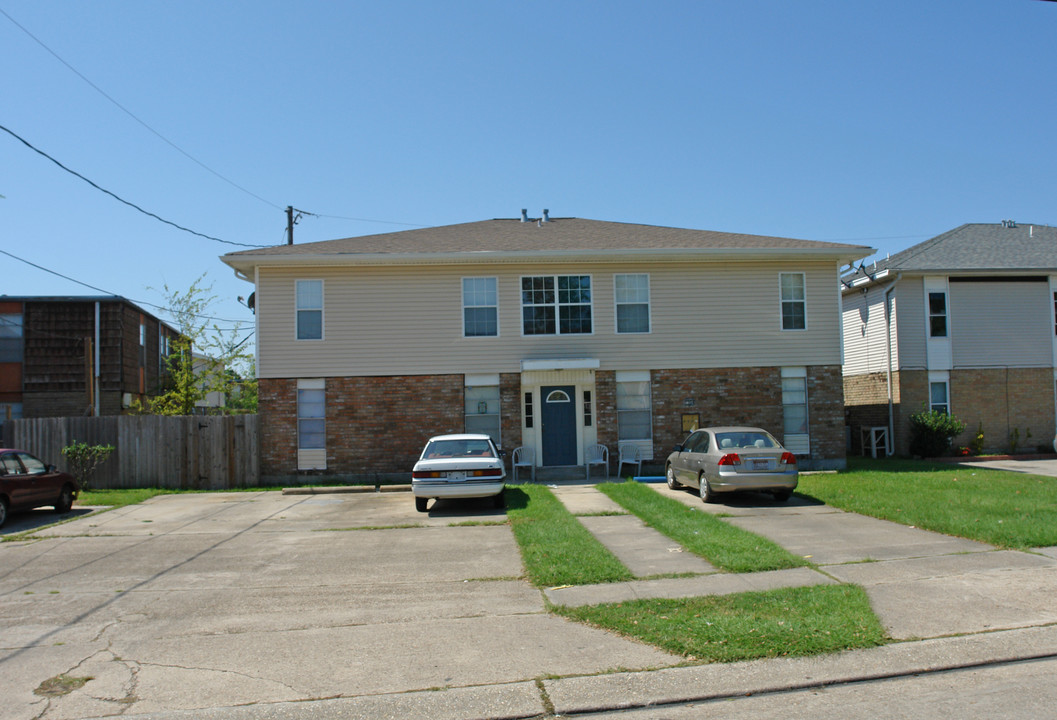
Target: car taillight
788	458
426	474
491	472
730	459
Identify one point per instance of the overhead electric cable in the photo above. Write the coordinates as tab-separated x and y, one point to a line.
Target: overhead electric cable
120	199
115	295
128	112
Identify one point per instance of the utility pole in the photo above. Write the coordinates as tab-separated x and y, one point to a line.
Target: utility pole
289	224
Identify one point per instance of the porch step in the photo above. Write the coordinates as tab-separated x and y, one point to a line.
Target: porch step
564	474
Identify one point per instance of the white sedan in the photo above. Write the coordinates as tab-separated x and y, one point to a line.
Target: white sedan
458	466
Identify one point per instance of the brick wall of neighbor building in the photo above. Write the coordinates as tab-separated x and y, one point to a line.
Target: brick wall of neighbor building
605	412
866	404
914	397
1002	400
825	411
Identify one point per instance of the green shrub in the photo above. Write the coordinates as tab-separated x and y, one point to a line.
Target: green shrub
83	459
931	432
976	445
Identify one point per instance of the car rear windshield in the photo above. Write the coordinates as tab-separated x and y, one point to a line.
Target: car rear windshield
458	448
745	440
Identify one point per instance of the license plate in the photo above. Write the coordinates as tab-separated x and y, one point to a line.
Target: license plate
760	464
457	475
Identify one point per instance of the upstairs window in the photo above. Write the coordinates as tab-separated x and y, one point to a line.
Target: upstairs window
937	314
632	294
10	338
480	307
556	305
793	300
309	309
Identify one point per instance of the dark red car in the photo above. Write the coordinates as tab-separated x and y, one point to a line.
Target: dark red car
26	483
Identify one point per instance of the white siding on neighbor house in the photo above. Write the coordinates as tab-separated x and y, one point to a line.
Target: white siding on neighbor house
909	308
408	320
1001	324
865	349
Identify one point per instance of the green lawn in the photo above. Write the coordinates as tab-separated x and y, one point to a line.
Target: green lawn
787	622
1006	509
722	544
556	548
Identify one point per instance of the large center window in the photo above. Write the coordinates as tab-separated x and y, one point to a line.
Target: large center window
556	305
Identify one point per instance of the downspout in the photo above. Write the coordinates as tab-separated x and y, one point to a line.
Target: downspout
890	449
96	374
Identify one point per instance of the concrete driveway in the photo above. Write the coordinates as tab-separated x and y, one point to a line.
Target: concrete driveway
196	601
1034	466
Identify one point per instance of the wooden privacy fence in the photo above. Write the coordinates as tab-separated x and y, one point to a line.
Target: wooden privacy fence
205	452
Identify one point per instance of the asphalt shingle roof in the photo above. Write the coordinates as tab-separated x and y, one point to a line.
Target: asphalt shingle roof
976	248
559	234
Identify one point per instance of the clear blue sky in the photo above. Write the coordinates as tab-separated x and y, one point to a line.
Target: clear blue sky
874	123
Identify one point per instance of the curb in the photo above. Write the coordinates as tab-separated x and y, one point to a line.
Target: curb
345	489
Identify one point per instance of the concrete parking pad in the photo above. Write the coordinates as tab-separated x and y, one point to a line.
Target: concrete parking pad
586	500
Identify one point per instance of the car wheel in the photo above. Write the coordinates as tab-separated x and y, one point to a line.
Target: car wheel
3	511
707	495
672	482
782	495
65	501
498	501
420	504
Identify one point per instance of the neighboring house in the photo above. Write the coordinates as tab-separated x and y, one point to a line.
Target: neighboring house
550	333
70	356
963	323
212	373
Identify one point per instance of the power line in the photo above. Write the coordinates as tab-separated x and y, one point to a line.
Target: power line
133	116
112	294
120	199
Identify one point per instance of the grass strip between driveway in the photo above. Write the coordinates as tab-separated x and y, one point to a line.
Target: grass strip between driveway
1006	509
775	623
556	548
722	544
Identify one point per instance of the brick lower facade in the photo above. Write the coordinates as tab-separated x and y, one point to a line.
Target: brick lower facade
999	400
377	426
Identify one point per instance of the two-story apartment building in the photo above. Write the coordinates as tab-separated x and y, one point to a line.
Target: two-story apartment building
963	323
70	356
548	333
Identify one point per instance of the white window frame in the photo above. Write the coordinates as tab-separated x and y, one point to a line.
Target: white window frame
484	381
311	458
782	300
557	305
946	314
298	309
466	306
623	377
946	383
799	443
617	303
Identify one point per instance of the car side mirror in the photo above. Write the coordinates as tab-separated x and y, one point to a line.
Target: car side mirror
50	468
678	448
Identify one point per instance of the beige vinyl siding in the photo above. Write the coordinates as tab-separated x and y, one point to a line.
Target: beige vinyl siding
909	308
865	349
408	320
1001	324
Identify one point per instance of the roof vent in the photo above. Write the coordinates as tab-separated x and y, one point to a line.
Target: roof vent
546	215
1009	224
524	215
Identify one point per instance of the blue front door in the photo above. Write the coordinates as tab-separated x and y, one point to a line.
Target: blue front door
559	425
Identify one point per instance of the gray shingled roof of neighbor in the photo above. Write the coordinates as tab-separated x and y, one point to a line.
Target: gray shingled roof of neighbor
560	237
975	248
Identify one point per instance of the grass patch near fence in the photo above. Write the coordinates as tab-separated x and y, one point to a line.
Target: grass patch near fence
727	628
722	544
1006	509
121	497
556	548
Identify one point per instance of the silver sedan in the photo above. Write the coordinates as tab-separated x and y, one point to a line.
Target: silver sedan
727	459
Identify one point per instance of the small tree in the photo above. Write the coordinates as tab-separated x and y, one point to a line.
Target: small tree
222	356
931	432
83	460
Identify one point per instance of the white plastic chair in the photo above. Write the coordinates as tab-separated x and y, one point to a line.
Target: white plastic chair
524	457
596	455
630	454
